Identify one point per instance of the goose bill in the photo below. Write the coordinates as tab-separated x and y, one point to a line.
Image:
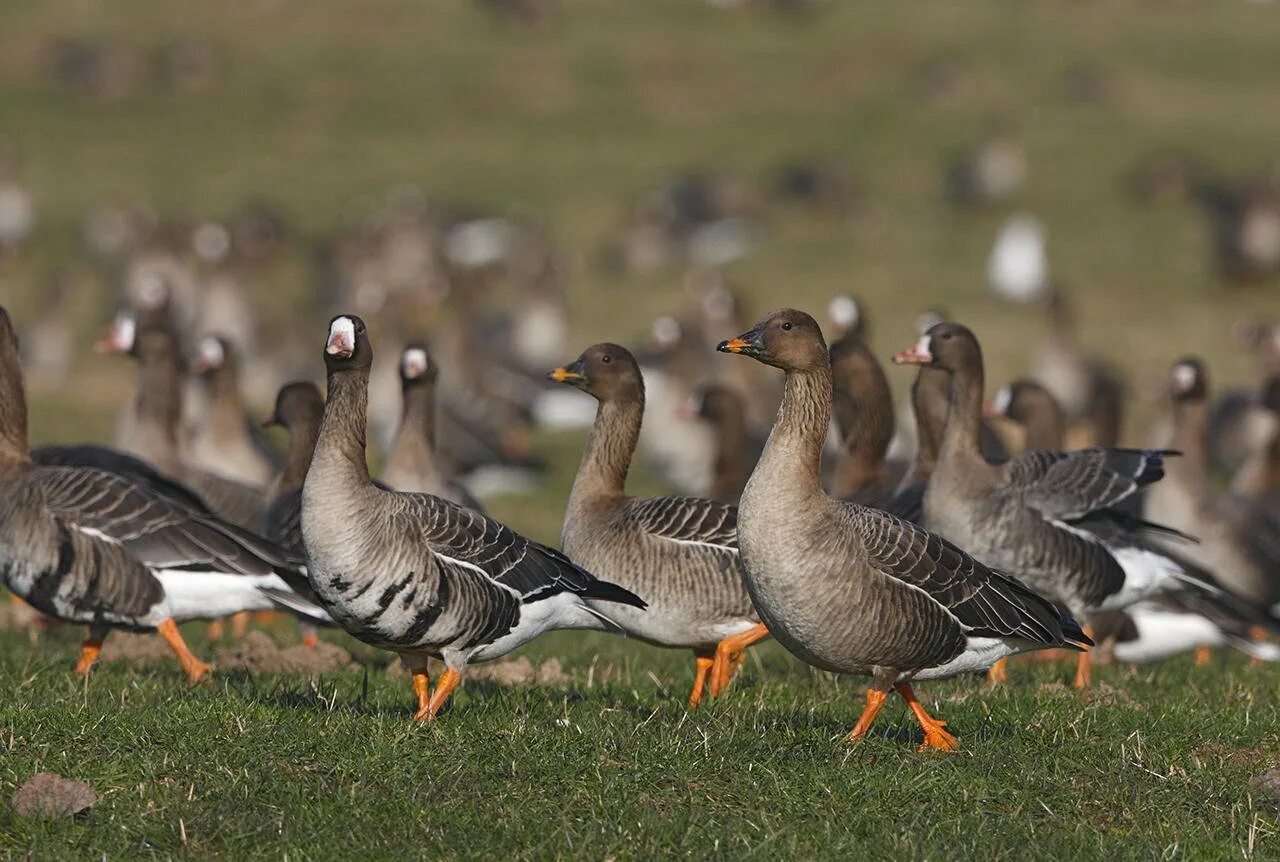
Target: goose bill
342	338
916	354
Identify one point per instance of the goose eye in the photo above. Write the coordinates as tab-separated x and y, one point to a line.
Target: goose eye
606	358
787	326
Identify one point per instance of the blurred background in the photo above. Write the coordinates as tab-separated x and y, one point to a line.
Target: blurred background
516	179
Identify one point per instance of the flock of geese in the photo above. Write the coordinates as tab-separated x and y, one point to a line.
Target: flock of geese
869	563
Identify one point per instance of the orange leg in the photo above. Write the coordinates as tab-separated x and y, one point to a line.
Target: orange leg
730	654
1257	633
310	639
266	618
875	700
448	682
240	624
1084	668
998	673
702	663
1204	655
934	734
191	666
216	630
89	651
421	688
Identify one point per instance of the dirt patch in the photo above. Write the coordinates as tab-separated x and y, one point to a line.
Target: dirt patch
512	671
1267	785
47	794
132	647
256	651
1106	695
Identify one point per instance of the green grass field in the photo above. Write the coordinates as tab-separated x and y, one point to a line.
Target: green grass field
1153	763
317	105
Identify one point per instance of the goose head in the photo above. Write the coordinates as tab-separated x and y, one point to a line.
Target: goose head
1189	380
417	365
120	336
1021	401
786	339
949	346
347	346
606	371
213	353
297	404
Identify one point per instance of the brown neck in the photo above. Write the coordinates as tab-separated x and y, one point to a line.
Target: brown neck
731	455
13	409
303	434
610	445
158	406
1046	429
931	402
227	411
962	434
419	399
340	448
1191	438
793	454
413	449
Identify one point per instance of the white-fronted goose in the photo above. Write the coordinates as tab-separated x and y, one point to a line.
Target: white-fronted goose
1258	477
413	464
680	553
156	414
855	590
1033	408
415	574
1025	515
89	546
722	408
223	444
1238	540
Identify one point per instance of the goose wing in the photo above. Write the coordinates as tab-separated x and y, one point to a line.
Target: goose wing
1069	485
464	539
692	520
987	603
120	463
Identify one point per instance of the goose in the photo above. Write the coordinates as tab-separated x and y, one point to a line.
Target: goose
722	409
680	553
89	546
855	590
1237	539
1258	478
418	575
223	444
155	417
1026	515
412	464
863	408
1033	408
1159	628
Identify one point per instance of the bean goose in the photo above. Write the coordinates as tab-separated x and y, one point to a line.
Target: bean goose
417	575
1026	515
223	444
1238	540
680	553
412	464
863	408
156	414
855	590
89	546
722	408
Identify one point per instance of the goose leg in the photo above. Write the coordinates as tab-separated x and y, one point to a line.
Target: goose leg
1084	668
90	648
191	666
875	700
216	629
448	682
421	688
1204	655
935	735
730	654
998	673
1257	633
702	663
239	624
310	637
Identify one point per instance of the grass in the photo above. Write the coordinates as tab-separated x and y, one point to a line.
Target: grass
1154	762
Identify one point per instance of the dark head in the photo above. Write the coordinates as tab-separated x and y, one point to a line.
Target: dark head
347	348
949	346
1022	401
213	354
1189	381
416	365
607	371
717	404
297	404
786	339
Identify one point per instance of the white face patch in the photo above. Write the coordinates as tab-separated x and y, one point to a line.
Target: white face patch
1002	401
124	330
152	291
413	363
1184	377
844	311
211	354
666	331
342	337
922	348
928	320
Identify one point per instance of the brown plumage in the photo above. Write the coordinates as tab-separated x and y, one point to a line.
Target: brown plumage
680	553
856	590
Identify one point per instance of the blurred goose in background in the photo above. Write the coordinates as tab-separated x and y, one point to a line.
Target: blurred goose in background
868	594
1240	423
418	575
681	452
1088	389
89	546
412	463
862	405
1028	515
1258	478
723	409
1244	219
154	434
224	444
1237	539
48	343
1018	266
680	553
17	215
991	172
